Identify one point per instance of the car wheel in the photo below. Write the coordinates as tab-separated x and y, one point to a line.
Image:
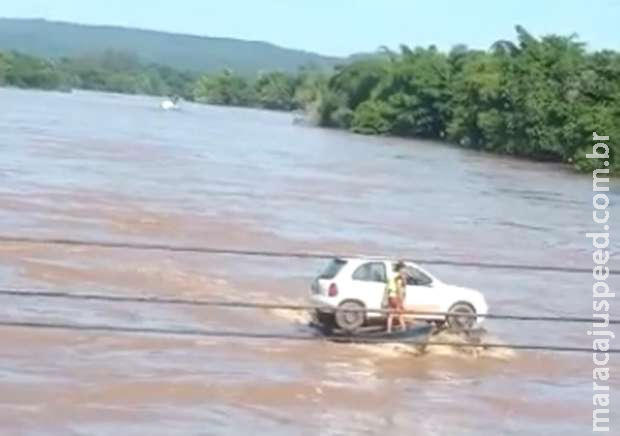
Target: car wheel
464	322
350	316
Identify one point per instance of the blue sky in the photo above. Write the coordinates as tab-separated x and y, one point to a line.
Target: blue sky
341	27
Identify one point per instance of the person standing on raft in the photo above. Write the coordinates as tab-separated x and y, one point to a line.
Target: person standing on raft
396	291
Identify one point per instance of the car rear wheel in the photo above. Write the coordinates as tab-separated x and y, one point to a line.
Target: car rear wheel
463	318
350	316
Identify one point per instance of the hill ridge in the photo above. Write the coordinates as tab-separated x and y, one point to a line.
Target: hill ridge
50	38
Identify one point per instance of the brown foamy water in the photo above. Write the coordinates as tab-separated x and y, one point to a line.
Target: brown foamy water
109	167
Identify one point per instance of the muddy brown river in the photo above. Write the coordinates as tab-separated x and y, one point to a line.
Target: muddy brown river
108	167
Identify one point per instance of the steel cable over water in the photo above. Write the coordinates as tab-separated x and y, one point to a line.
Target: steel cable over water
279	254
36	293
103	328
246	305
258	335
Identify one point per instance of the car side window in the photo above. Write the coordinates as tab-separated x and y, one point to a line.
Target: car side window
371	272
415	277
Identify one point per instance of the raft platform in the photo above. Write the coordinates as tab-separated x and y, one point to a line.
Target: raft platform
377	334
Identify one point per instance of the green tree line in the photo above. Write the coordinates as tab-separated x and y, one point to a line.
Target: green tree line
110	71
121	72
539	98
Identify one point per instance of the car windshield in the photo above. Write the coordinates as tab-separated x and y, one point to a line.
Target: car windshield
333	268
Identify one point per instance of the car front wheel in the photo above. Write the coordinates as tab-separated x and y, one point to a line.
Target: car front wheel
463	318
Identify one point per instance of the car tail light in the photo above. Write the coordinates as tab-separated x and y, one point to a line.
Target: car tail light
333	290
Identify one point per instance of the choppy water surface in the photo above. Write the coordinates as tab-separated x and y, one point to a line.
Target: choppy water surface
112	167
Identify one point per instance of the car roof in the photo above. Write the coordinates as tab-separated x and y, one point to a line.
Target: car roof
362	259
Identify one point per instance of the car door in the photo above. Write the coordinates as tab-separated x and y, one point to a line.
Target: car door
369	280
421	292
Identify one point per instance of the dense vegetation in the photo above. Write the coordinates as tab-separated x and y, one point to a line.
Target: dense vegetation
109	71
537	98
56	40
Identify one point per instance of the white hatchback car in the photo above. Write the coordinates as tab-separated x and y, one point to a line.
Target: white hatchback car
359	284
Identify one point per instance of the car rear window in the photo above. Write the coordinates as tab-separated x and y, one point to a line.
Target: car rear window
371	272
332	269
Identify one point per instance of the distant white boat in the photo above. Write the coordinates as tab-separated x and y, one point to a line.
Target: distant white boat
170	104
